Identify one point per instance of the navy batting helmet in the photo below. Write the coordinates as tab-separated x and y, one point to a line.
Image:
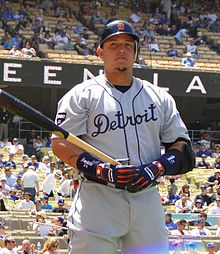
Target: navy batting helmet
117	27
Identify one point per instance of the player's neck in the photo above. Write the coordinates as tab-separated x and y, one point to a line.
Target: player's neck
119	80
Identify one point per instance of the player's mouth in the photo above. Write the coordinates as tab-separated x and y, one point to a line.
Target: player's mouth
121	58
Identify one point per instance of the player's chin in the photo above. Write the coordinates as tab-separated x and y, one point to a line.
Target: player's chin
122	68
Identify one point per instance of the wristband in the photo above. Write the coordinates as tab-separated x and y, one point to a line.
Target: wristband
171	162
86	163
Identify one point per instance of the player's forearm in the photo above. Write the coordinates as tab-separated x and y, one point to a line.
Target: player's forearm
66	151
178	159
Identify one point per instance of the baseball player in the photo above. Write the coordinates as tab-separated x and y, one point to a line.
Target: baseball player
127	118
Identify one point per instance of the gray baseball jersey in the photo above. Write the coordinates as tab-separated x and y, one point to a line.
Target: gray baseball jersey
123	125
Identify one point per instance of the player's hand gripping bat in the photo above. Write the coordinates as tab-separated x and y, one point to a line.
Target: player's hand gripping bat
18	107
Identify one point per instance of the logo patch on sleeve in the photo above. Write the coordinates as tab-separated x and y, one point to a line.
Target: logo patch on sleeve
61	117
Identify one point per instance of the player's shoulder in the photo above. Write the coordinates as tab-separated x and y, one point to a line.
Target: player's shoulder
154	90
91	86
97	82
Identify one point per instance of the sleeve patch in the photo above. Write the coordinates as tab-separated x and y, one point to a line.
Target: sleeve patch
61	117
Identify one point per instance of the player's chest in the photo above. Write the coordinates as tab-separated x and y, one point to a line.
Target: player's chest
116	113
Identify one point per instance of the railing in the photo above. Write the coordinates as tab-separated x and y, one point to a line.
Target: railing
24	127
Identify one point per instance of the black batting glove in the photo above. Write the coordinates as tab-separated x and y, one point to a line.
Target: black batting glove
147	175
120	175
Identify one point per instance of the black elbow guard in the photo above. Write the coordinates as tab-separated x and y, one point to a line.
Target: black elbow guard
177	162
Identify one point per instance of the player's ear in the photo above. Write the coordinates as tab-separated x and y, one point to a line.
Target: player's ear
99	52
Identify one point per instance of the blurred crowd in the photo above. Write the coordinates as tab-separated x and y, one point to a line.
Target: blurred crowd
178	19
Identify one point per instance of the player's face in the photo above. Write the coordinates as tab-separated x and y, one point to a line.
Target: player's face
119	53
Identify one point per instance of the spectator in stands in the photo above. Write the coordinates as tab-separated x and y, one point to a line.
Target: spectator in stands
50	246
141	63
3	233
182	33
215	26
162	29
203	196
185	190
27	247
57	231
206	140
170	225
166	6
45	164
216	153
78	29
49	182
23	42
211	248
5	188
203	216
18	185
214	180
173	185
13	194
216	194
184	204
5	144
26	203
30	181
24	160
15	52
135	17
181	225
216	164
212	15
16	39
37	145
192	48
203	150
31	137
9	43
4	122
70	44
33	162
45	203
203	163
60	208
215	209
200	230
10	162
154	45
2	162
65	188
16	147
171	198
148	33
28	51
198	207
199	40
60	40
42	226
10	246
37	208
188	61
172	52
10	178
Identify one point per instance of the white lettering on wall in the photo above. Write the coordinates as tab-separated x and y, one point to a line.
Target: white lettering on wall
48	73
155	82
9	71
196	84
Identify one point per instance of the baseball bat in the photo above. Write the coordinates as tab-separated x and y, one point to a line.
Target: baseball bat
18	107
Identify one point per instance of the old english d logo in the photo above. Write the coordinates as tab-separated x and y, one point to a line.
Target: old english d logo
121	26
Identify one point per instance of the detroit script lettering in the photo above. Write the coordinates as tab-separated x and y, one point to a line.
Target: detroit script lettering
103	124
